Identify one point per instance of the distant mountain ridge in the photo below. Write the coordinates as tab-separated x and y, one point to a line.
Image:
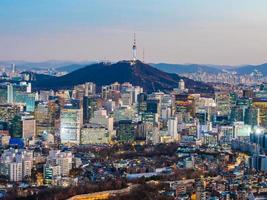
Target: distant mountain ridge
144	75
70	66
248	69
185	68
213	69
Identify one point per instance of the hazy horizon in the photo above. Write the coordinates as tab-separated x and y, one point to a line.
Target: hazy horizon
187	31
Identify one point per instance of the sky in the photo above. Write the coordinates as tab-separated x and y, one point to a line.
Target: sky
226	32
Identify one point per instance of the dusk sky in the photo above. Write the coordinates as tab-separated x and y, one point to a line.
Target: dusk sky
175	31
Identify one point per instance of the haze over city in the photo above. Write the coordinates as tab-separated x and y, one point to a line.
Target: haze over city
185	31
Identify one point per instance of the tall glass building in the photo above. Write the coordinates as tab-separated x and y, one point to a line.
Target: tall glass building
71	121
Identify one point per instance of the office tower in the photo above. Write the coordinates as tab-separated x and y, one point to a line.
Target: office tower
237	114
142	104
252	116
90	88
3	94
13	69
202	116
16	127
181	85
64	160
110	105
95	134
101	117
16	164
152	105
29	88
125	131
126	99
28	127
172	127
71	120
58	163
10	94
248	93
4	128
86	109
261	104
15	171
44	119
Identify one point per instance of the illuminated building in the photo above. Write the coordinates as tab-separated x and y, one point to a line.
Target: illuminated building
252	116
261	104
3	94
10	94
71	120
94	134
16	127
125	131
101	118
181	85
28	127
4	128
61	159
222	103
141	100
152	106
172	127
44	119
126	99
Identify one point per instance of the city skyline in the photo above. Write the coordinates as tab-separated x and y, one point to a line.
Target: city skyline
206	32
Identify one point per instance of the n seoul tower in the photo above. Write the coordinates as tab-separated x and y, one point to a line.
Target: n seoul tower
134	49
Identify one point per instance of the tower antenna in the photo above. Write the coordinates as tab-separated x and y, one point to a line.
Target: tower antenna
134	49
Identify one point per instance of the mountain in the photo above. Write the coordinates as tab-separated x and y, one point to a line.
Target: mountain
248	69
187	68
71	67
144	75
66	66
212	69
36	76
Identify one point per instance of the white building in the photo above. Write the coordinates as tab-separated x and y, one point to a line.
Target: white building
15	171
101	118
95	134
62	159
16	164
172	127
71	121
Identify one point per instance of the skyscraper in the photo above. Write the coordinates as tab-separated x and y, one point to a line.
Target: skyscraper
71	120
10	94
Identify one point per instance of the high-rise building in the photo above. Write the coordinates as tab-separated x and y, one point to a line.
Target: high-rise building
15	171
172	127
16	164
28	127
125	131
44	119
95	134
16	127
10	94
126	99
152	106
71	120
181	85
142	104
252	116
101	117
58	158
